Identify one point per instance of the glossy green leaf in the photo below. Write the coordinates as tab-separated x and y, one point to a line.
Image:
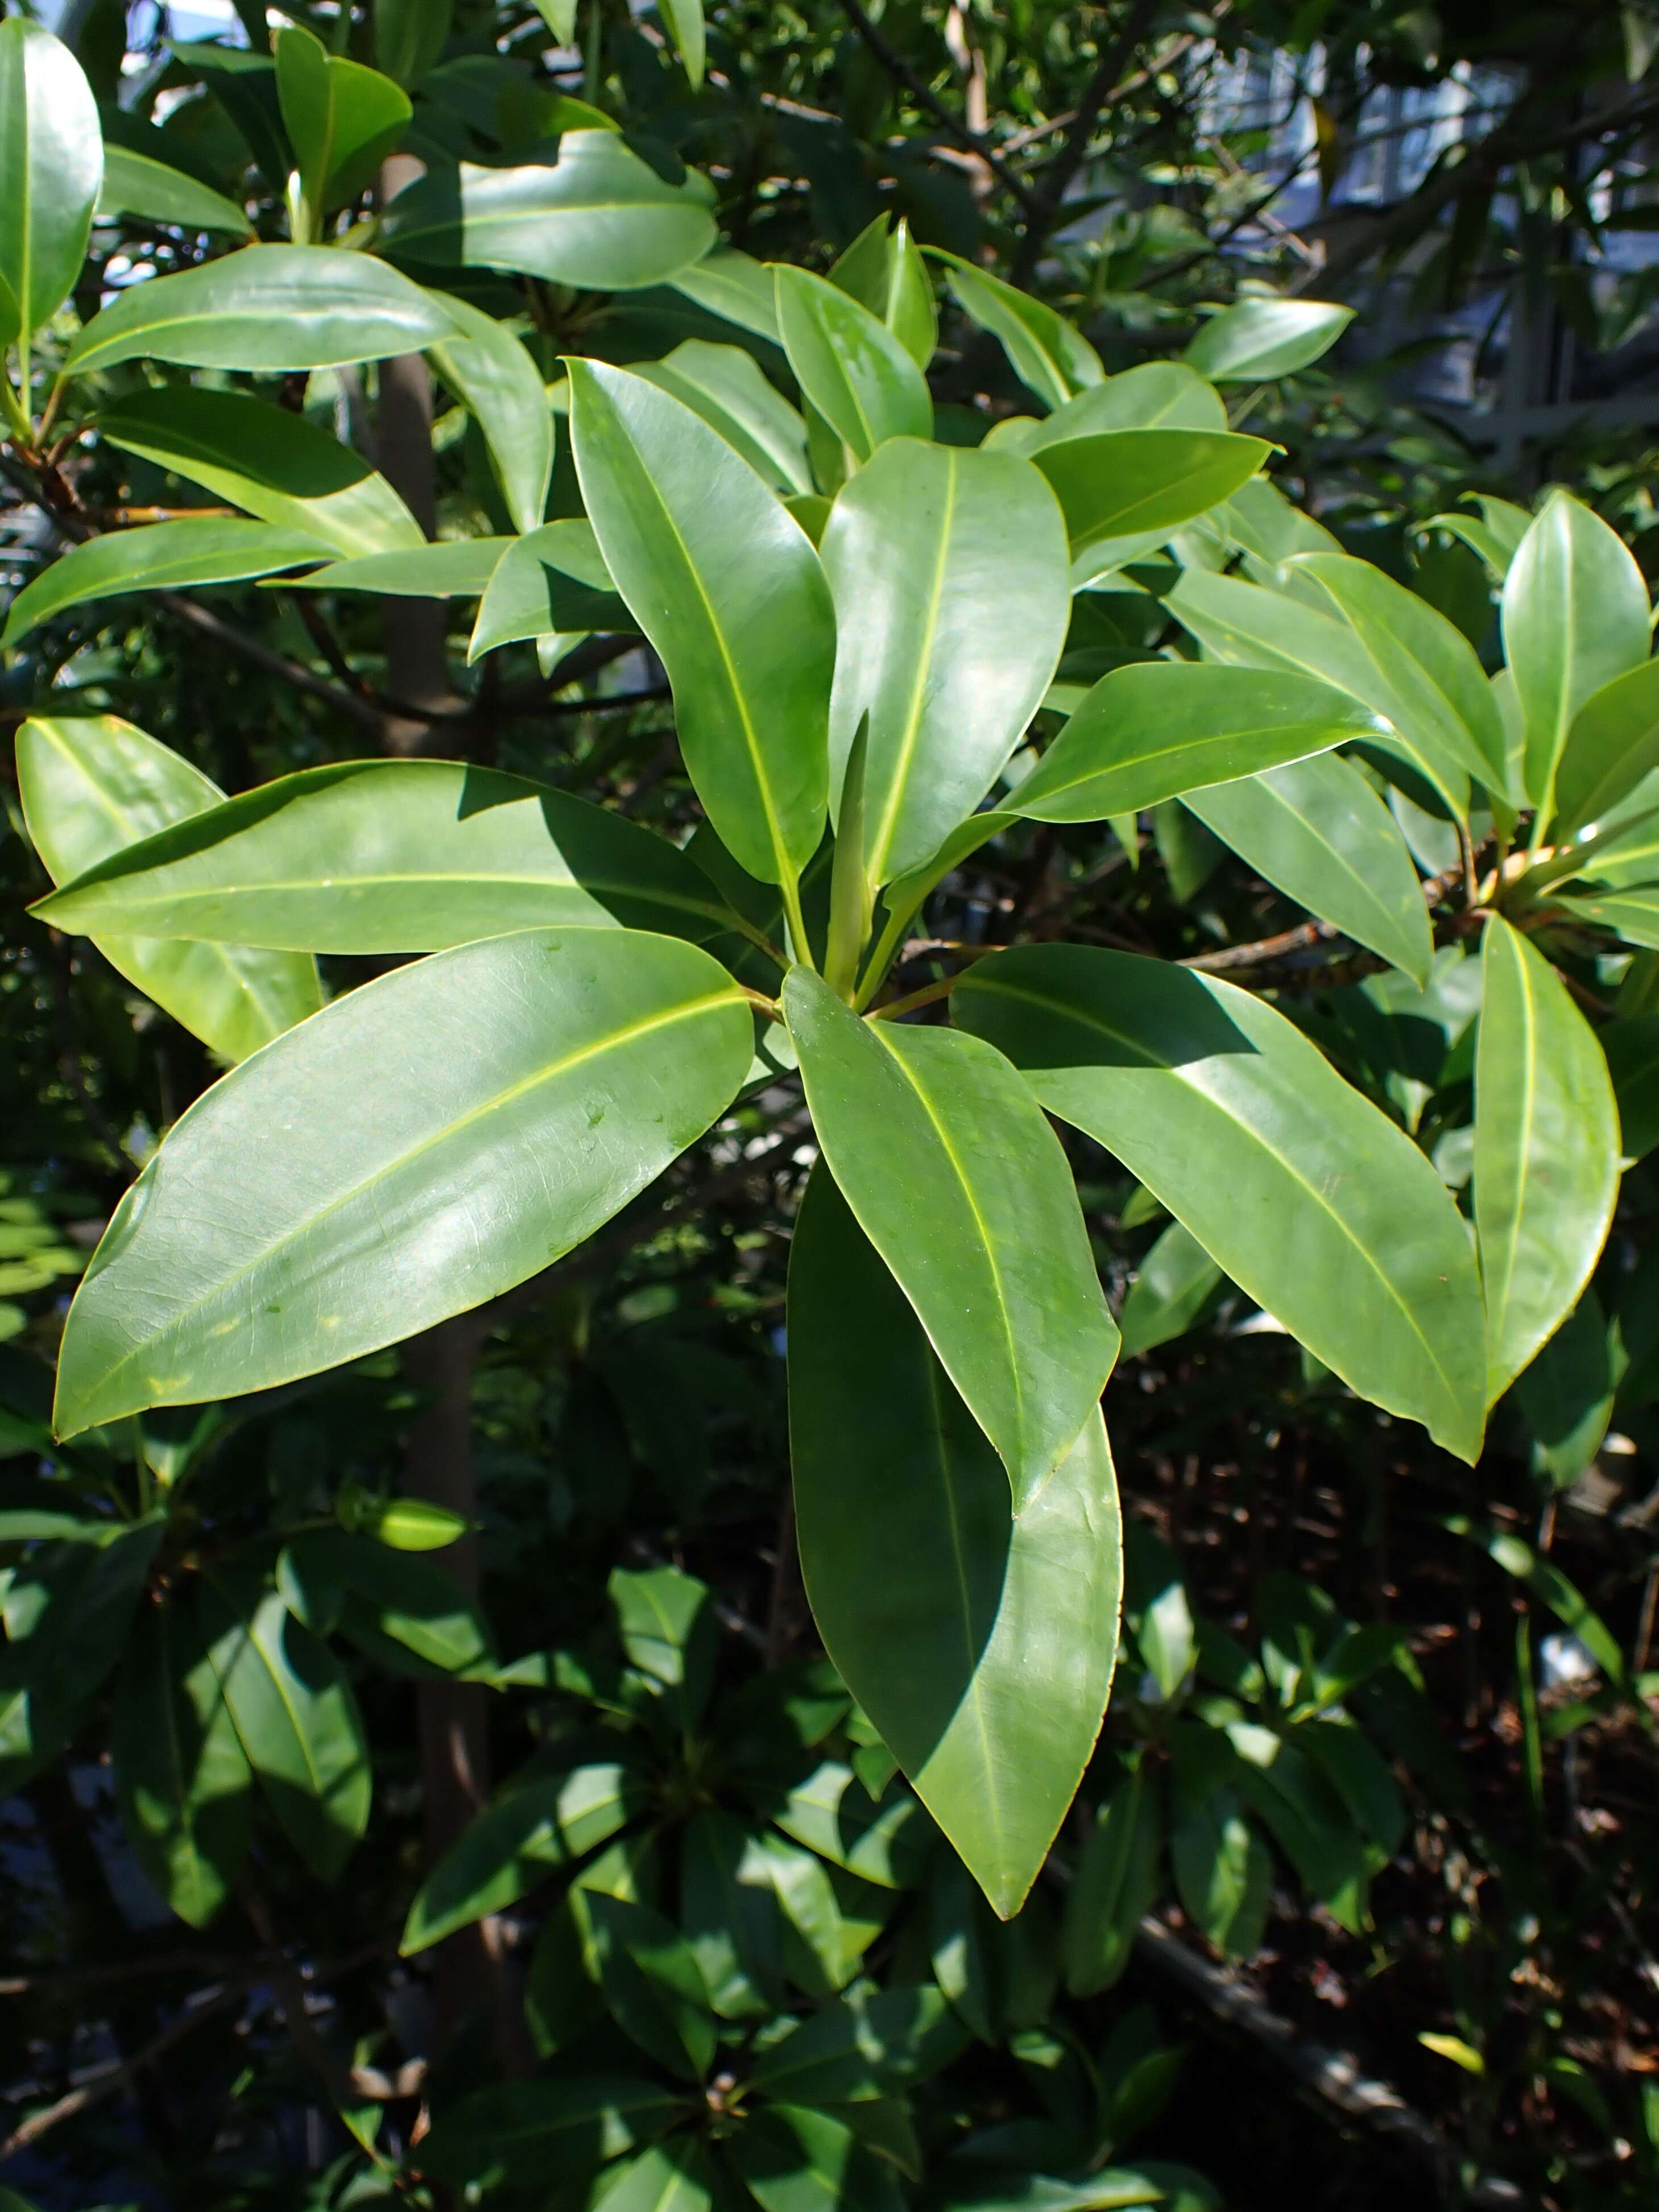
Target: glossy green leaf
732	1916
666	1621
51	161
264	307
793	2158
408	1612
276	465
1632	1053
1546	1152
980	1645
849	365
1631	913
948	570
409	36
885	1840
492	373
516	1843
1111	483
159	556
1260	519
1300	1190
1317	831
1575	616
1159	395
652	1984
1495	536
92	786
68	1610
735	287
672	2176
1156	729
1171	1286
1222	1869
1567	1394
1114	1883
727	587
961	1185
871	2043
1051	358
182	1778
551	583
454	567
1612	745
533	2132
597	217
685	27
1112	2188
1260	339
296	1719
884	269
135	183
479	1164
728	388
342	120
1548	1584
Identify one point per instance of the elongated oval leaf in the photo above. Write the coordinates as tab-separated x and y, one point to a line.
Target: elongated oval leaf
1612	744
981	1645
1299	1190
493	374
597	217
1260	339
1152	730
454	567
551	583
729	389
275	464
1159	395
1116	1881
849	365
676	2176
735	287
883	269
535	2131
1575	616
91	787
1171	1286
486	1110
161	557
961	1186
1546	1152
135	184
1115	484
793	2158
51	161
342	118
266	306
948	570
725	586
1317	831
1051	358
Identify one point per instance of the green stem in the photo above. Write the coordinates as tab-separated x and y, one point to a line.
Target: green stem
22	429
762	943
800	944
881	959
925	997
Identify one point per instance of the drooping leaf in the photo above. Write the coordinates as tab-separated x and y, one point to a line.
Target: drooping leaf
342	120
264	307
1612	745
276	465
51	162
1300	1190
728	388
135	184
652	1984
532	2132
870	2043
159	556
492	373
794	2159
882	1840
1317	831
1050	356
948	570
597	216
1114	1883
1222	1869
1154	730
1260	339
735	287
552	583
1170	1289
1575	616
960	1184
1114	483
451	568
676	2176
980	1645
849	365
727	588
479	1164
1546	1152
411	1615
91	787
883	269
685	27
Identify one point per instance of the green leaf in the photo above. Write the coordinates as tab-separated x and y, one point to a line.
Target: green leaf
479	1163
730	392
493	375
395	1608
948	570
409	36
295	1717
1170	1289
1300	1190
1114	483
1567	1394
730	1911
454	567
135	183
1222	1869
884	1841
1631	914
1051	359
1157	729
980	1645
1612	745
551	584
671	2177
68	1612
1633	1054
652	1985
793	2159
1159	395
516	1842
161	556
182	1778
1317	831
1549	1585
883	269
1114	1883
91	787
1260	339
598	217
960	1182
1494	537
534	2132
342	120
666	1623
1575	616
1112	2188
869	2044
51	162
728	589
735	287
1306	1819
685	27
849	365
275	464
264	307
1546	1152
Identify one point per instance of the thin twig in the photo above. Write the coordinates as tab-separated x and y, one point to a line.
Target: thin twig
107	2079
901	73
1057	178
